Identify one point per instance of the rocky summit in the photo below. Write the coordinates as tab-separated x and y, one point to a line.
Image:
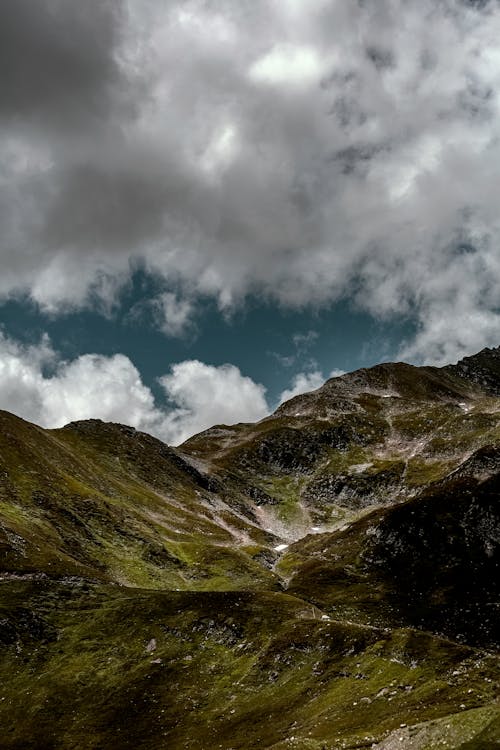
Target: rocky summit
324	579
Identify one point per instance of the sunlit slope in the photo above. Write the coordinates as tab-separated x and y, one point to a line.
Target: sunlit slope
108	503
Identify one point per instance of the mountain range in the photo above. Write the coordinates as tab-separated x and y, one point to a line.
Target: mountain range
325	578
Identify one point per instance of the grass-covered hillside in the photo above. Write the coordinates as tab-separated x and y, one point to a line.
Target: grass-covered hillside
326	578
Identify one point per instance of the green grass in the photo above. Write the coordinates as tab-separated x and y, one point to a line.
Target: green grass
94	500
229	670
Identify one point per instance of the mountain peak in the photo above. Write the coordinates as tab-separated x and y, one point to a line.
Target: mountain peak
384	381
481	369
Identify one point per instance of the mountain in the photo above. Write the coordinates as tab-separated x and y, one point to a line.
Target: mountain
325	578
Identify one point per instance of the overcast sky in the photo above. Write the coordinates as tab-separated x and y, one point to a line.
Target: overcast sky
330	166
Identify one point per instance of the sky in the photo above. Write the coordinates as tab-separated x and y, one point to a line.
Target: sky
208	206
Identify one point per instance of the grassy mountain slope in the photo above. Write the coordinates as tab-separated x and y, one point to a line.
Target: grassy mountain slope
325	578
108	503
99	667
365	439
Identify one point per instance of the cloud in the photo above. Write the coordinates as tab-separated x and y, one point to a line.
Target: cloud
301	383
306	152
58	61
287	65
302	341
206	395
173	313
306	381
37	385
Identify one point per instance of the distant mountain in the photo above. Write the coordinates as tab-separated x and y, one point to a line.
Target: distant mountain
372	437
325	578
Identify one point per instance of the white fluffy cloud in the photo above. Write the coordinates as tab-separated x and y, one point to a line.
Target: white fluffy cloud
307	151
306	381
302	382
205	395
38	386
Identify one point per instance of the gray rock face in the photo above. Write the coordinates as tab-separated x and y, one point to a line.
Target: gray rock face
482	369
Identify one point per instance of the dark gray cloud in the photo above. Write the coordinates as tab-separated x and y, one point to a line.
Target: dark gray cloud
58	59
306	151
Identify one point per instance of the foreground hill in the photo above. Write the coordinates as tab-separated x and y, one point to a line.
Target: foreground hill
325	578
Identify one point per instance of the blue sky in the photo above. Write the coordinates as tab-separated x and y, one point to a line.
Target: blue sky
269	343
207	207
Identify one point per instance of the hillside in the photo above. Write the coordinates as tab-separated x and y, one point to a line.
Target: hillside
325	578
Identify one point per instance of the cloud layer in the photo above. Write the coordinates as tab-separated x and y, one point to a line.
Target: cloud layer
37	385
304	151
